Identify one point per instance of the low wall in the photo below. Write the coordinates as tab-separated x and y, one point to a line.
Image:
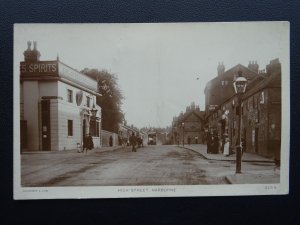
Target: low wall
105	135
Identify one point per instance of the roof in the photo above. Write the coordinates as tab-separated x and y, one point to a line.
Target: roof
272	81
198	114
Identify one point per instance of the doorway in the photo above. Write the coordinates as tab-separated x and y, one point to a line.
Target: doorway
46	139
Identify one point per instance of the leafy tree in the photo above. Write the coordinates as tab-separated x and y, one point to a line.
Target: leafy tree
111	99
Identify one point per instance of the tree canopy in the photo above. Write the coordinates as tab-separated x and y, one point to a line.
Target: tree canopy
111	99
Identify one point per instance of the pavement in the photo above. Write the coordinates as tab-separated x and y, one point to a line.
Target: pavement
246	157
264	172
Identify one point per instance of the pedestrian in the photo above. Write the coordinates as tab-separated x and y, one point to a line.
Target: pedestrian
215	144
226	147
243	144
208	142
88	143
110	141
132	141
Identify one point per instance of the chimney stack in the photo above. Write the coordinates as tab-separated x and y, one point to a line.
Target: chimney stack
31	55
253	66
221	69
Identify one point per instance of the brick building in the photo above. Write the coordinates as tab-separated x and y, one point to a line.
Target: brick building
261	112
56	105
188	126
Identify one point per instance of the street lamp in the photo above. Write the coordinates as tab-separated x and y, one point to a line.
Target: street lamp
182	133
94	111
239	84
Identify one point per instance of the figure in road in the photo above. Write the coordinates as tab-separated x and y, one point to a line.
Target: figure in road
88	143
132	141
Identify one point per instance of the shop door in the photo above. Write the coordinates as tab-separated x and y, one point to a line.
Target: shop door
46	139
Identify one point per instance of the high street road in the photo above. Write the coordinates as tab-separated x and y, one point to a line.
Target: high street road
150	165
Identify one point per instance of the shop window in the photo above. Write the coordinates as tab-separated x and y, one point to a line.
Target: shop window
70	95
70	127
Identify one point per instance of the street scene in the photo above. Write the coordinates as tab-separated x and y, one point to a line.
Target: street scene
151	165
154	104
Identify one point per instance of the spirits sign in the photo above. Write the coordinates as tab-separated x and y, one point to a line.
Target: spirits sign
39	68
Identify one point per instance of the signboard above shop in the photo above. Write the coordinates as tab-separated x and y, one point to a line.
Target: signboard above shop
212	107
49	68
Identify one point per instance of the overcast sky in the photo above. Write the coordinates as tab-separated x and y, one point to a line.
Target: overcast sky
157	64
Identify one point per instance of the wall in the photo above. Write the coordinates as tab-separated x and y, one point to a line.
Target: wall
32	91
70	111
105	135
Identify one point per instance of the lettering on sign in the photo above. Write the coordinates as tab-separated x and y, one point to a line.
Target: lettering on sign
39	67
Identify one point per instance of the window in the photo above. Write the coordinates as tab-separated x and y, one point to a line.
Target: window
70	127
70	96
88	101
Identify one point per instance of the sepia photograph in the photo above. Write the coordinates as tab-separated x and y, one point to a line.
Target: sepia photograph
122	110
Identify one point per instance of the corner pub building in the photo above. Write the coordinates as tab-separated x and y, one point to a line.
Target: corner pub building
57	105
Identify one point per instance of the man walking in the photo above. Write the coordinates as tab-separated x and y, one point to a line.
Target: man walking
132	141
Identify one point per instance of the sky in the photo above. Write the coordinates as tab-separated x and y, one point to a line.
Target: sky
161	68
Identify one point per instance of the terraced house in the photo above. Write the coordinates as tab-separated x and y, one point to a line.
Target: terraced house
261	108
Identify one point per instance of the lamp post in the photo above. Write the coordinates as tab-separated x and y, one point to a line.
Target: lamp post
182	133
239	84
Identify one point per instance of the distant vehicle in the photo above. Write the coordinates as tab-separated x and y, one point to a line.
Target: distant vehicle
152	139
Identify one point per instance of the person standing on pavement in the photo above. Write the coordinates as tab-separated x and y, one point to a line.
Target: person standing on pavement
226	147
189	140
110	141
215	144
208	142
132	141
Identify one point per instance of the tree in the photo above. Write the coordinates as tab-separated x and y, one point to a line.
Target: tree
111	99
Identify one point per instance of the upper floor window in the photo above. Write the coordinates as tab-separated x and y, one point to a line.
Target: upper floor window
70	95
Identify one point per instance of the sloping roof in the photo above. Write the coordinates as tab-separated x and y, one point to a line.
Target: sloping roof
228	73
197	114
272	81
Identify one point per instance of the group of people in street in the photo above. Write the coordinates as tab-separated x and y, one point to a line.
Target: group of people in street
216	145
135	141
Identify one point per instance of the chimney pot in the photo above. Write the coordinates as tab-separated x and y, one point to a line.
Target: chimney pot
28	45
